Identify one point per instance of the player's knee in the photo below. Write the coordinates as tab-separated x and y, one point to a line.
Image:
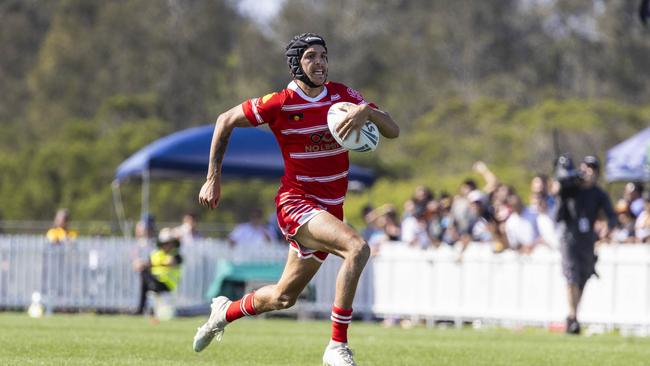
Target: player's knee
358	248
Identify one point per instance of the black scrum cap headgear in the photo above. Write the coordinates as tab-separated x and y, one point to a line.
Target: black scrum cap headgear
294	51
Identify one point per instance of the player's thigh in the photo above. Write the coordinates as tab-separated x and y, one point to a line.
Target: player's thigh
327	233
297	274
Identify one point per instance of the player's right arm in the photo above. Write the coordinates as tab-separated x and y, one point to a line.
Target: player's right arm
226	123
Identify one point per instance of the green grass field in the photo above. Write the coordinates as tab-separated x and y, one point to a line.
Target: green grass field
124	340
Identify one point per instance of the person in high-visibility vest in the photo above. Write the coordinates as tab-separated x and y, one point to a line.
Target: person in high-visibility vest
163	270
59	233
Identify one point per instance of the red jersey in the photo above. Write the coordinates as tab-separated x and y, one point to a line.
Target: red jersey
314	162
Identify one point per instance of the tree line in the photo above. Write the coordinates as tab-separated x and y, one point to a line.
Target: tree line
87	83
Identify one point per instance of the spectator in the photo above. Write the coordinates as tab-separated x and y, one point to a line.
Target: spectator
642	224
187	232
479	220
546	232
59	233
460	207
53	275
633	194
421	196
449	233
415	229
370	219
409	207
434	217
253	232
161	272
145	239
491	181
539	186
519	230
274	228
499	207
623	232
389	228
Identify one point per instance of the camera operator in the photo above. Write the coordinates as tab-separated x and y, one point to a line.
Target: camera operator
581	201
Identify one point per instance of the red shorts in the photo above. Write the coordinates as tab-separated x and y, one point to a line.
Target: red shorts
294	209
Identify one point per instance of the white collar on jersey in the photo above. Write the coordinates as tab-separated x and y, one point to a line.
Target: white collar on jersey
293	86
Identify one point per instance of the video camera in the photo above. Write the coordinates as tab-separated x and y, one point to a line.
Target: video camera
567	174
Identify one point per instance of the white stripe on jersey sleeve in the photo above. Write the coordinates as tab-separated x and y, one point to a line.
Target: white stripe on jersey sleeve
256	112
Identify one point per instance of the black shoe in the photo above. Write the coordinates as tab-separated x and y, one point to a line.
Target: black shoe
572	326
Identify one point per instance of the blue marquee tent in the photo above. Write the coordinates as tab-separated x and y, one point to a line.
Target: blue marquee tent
251	153
630	160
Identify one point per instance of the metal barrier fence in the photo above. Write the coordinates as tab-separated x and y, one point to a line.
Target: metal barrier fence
509	288
97	273
91	274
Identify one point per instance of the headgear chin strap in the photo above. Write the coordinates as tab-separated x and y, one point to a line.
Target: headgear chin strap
295	49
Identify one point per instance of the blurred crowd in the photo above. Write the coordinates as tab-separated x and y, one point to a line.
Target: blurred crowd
493	214
496	214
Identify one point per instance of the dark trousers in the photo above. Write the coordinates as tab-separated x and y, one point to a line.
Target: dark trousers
148	283
578	257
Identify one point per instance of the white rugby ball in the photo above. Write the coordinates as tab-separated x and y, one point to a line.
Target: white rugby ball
368	135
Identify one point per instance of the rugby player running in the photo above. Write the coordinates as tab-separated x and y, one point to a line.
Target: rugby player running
310	198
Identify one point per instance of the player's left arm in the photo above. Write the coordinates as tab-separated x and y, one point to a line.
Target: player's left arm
385	123
359	114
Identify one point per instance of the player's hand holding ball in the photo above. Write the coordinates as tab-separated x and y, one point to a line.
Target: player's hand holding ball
351	128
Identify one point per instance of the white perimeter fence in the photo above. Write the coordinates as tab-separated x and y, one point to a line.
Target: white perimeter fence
96	273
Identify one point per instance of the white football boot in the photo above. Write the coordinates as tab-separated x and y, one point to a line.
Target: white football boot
214	326
338	354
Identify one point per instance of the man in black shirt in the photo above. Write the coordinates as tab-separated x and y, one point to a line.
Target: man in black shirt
580	203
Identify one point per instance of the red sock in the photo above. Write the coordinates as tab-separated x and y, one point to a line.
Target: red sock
341	318
241	307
